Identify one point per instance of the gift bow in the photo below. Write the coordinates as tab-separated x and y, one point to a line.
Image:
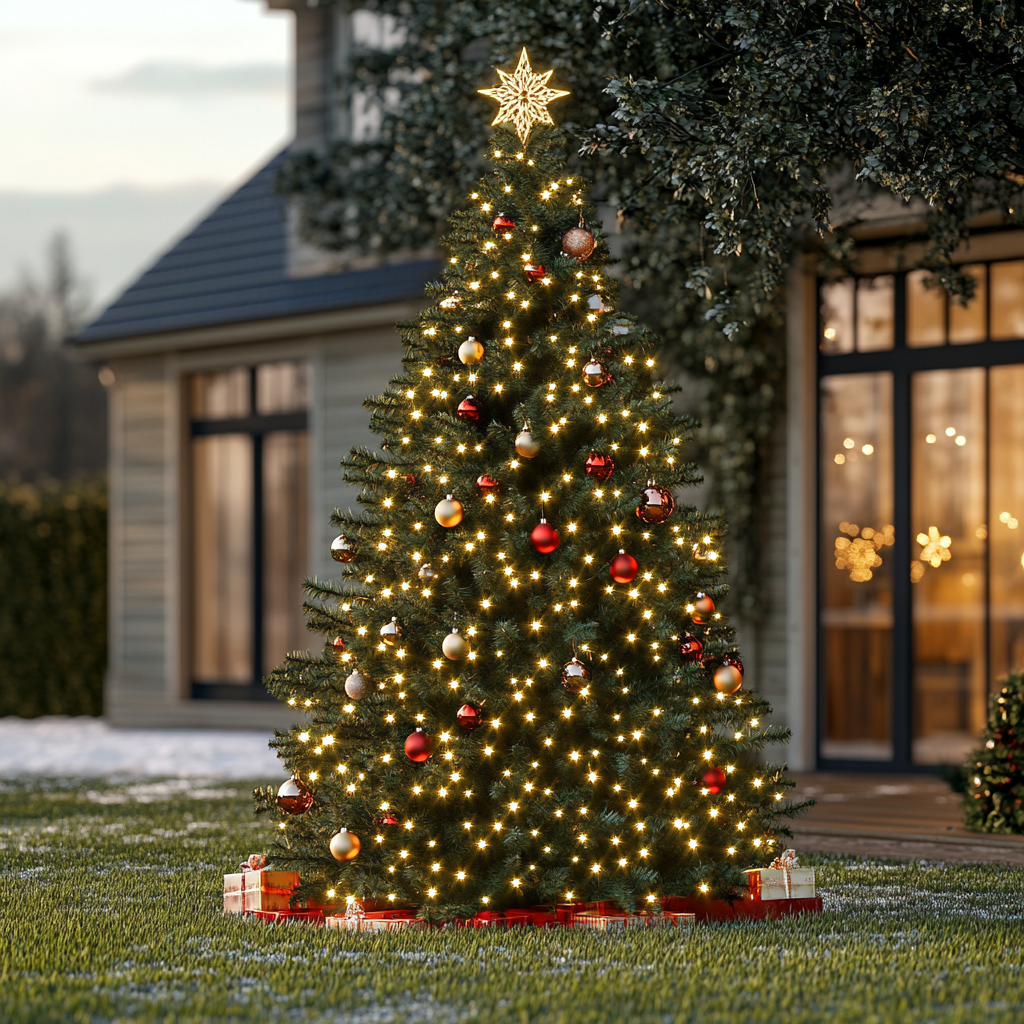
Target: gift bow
785	862
254	862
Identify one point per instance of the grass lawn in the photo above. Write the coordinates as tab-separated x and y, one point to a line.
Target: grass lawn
111	912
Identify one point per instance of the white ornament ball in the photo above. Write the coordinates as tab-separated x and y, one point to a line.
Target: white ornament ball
455	647
526	446
344	845
471	351
355	686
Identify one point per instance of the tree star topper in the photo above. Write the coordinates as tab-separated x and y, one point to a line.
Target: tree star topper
523	97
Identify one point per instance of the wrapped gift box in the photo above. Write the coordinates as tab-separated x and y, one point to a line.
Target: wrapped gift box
376	921
610	922
247	891
781	883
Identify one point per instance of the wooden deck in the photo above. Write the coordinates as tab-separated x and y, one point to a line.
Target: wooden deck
912	817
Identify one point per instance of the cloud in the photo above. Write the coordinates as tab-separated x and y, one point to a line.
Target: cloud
181	78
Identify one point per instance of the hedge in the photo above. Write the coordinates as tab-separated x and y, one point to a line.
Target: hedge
53	598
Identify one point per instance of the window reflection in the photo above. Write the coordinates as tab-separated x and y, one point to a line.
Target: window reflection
857	534
220	396
926	312
222	546
875	311
837	317
948	524
1006	520
967	323
1006	284
282	387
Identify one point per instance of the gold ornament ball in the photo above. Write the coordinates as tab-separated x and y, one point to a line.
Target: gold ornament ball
728	679
344	845
448	512
526	446
455	647
471	351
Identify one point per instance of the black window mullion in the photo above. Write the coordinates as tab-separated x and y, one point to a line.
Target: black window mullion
257	569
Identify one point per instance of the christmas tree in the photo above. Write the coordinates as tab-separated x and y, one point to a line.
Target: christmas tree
526	694
994	774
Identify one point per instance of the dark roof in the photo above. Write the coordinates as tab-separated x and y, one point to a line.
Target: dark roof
232	268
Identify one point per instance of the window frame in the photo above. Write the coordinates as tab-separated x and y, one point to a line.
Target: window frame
255	426
902	362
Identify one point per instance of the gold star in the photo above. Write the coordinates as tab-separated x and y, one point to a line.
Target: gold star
523	97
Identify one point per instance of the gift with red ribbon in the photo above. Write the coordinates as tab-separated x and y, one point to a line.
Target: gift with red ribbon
253	888
783	879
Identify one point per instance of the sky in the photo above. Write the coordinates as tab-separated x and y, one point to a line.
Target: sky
122	120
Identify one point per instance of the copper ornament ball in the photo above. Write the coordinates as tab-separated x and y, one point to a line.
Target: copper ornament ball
575	675
470	716
656	504
338	643
344	845
390	632
544	537
598	466
713	780
623	568
578	242
356	686
418	746
342	549
526	445
486	484
294	797
703	609
690	649
471	352
596	374
448	512
454	647
503	224
728	679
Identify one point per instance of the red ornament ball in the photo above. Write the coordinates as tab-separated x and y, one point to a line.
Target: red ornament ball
691	649
418	746
470	410
703	609
544	537
503	224
294	797
534	272
385	819
578	242
338	643
470	716
599	466
713	780
342	549
487	484
623	568
575	675
596	374
656	504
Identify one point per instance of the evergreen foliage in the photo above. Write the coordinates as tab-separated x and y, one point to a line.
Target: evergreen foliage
994	774
587	795
53	555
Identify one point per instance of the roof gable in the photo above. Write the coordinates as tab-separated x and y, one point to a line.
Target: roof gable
233	268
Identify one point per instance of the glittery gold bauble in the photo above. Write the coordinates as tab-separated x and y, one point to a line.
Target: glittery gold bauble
728	679
344	845
525	444
455	647
578	242
390	632
471	351
448	512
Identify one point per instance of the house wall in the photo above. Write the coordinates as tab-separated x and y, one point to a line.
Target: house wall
147	682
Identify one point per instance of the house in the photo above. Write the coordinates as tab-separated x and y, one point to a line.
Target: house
894	548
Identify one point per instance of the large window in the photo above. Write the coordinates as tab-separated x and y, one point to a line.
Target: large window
921	512
249	477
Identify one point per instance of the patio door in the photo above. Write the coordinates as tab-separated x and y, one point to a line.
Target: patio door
921	514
